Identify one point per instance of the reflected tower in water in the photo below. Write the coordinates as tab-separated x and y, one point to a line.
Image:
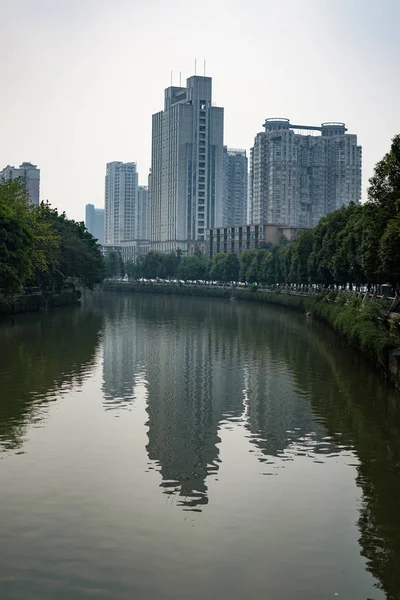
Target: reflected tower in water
123	355
190	389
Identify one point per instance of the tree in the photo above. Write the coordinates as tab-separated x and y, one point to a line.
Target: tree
152	265
170	264
112	264
192	268
302	248
384	189
46	249
389	252
231	268
121	266
252	271
80	256
16	238
245	260
130	269
216	271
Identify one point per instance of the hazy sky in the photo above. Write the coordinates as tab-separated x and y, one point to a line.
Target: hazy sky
80	79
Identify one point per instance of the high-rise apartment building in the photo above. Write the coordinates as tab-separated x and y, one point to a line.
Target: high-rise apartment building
186	166
297	178
30	175
142	212
121	202
234	211
94	221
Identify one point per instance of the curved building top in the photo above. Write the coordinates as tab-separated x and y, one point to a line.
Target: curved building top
330	128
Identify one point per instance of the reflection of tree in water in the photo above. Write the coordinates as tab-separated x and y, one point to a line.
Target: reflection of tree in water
41	356
304	390
359	412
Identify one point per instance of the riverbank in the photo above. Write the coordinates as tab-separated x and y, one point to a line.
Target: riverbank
362	325
36	302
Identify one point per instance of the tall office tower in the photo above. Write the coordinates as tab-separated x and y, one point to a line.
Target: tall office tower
234	210
297	178
121	197
94	221
142	212
186	166
30	176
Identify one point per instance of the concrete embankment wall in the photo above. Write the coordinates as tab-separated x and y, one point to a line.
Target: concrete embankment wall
35	302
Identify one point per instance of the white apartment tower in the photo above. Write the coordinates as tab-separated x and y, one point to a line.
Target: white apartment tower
186	195
142	212
121	203
30	176
234	210
297	178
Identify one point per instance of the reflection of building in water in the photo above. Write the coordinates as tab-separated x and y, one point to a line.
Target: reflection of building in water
123	358
278	416
190	387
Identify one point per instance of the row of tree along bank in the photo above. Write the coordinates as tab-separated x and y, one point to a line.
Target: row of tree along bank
43	255
354	246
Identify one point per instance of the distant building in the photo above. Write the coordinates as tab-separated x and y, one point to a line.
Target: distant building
234	210
142	212
121	203
94	221
30	176
129	251
186	166
245	237
297	178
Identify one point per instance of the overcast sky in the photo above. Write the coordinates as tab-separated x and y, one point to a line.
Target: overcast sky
80	79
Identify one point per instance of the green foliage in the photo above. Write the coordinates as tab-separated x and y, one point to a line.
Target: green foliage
192	268
217	266
231	268
112	264
79	256
42	248
16	238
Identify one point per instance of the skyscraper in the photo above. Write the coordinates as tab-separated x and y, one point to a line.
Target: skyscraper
142	212
121	199
30	176
186	166
234	210
296	179
94	221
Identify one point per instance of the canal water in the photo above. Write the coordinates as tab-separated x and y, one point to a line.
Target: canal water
156	447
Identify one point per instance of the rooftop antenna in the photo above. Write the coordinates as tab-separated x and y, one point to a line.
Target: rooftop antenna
195	66
204	67
180	78
171	78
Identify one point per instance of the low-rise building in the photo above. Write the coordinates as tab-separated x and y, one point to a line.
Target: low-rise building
244	237
29	175
129	251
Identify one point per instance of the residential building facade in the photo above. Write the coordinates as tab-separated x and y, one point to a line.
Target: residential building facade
235	239
30	176
121	203
94	221
186	195
298	177
234	210
143	194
